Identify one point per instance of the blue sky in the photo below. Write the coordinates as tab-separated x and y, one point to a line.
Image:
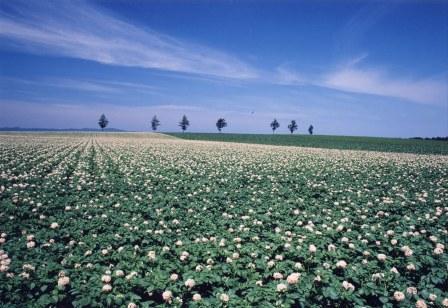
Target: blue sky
375	68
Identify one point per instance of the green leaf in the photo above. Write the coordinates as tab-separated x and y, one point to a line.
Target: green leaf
384	299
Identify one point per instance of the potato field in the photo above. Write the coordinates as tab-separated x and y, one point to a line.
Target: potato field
150	220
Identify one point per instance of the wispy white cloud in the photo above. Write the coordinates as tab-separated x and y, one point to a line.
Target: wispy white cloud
85	85
432	91
134	85
350	37
82	85
79	30
287	76
351	77
356	60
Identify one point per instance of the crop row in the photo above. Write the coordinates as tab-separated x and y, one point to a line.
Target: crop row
130	220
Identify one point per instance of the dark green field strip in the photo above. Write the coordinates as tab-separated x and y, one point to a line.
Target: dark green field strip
328	142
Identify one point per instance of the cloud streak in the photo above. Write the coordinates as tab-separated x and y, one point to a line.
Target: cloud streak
80	30
287	76
370	81
83	85
76	29
352	78
358	26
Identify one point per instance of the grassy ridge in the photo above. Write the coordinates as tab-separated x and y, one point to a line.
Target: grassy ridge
331	142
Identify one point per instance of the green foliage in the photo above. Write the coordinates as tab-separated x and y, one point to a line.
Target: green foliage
330	142
221	123
184	123
98	205
274	125
155	123
310	129
103	121
292	126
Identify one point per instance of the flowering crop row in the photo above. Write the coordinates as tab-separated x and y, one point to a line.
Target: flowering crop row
138	220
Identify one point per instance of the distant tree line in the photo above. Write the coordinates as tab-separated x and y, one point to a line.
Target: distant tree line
432	138
220	124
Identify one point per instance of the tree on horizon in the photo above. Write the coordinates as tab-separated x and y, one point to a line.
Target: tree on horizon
103	122
184	123
221	123
155	123
292	126
274	125
310	129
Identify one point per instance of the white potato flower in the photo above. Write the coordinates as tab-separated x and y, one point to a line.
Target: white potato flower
107	288
420	304
167	296
399	296
438	251
190	283
63	281
411	290
224	297
382	257
152	255
293	278
348	286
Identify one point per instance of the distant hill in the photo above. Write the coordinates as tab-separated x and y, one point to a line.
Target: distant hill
21	129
